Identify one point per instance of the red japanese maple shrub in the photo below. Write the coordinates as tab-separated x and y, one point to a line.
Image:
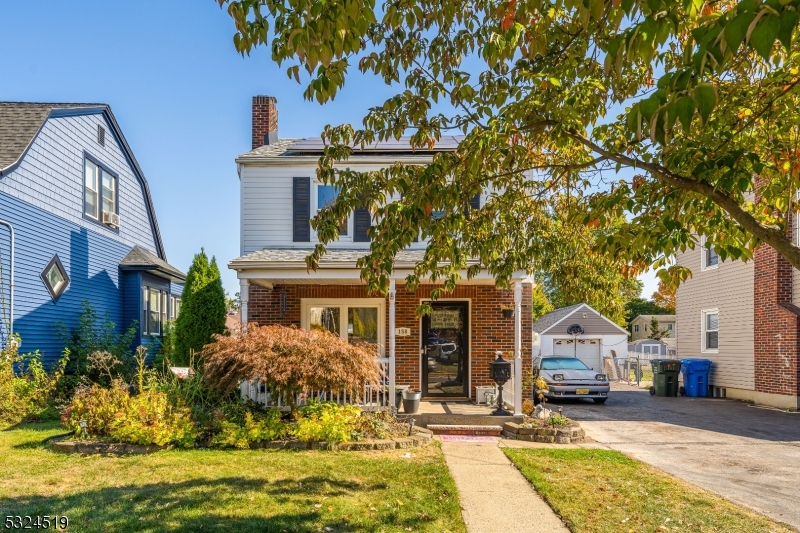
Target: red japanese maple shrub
290	361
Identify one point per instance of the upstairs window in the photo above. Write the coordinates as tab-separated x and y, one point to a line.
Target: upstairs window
709	256
670	327
100	191
636	328
326	196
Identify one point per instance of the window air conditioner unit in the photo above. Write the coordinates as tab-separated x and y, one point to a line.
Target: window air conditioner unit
111	219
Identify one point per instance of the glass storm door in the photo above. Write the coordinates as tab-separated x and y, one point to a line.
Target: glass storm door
445	351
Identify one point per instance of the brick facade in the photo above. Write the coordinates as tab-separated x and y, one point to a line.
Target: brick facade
265	119
488	330
776	324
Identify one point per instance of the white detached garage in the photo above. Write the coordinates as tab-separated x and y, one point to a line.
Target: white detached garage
579	331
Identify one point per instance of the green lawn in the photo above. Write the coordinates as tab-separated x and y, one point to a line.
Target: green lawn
203	490
602	491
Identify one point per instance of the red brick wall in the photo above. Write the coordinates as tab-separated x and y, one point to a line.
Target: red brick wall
777	325
489	331
265	118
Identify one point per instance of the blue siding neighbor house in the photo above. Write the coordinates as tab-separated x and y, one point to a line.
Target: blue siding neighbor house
84	228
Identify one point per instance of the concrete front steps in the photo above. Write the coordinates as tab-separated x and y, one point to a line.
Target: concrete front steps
465	429
429	419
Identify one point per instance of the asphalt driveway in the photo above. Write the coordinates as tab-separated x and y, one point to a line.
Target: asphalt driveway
747	454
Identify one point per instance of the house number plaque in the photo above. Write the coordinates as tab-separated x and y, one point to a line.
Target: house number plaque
402	332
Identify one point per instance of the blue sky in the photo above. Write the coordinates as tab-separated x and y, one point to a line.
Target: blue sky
181	94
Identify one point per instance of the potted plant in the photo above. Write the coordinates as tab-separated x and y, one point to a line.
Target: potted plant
411	399
398	395
508	310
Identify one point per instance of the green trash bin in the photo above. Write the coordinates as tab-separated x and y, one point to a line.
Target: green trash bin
665	377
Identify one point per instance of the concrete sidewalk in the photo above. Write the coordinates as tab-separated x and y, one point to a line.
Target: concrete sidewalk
494	494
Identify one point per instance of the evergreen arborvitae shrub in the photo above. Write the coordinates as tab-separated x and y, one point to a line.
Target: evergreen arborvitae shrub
202	308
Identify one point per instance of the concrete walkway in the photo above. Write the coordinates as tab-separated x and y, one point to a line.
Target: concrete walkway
494	494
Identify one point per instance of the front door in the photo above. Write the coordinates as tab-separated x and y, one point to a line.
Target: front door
445	350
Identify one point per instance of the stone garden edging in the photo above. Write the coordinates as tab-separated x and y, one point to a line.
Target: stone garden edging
566	435
421	437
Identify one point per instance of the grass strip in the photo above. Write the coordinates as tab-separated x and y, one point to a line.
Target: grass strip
603	491
218	490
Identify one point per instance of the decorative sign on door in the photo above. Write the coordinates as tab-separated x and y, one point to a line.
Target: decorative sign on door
445	319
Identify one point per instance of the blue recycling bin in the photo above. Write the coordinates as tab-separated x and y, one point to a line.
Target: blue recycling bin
695	377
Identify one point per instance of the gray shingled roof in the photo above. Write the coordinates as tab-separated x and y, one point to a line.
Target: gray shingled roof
140	259
333	258
19	123
553	317
314	146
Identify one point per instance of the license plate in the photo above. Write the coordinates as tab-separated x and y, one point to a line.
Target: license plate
581	391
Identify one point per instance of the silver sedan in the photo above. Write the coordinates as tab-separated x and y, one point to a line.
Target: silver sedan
568	377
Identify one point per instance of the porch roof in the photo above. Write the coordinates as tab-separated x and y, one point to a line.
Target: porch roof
281	266
291	258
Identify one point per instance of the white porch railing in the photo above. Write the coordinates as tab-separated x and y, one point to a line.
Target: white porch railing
508	393
369	398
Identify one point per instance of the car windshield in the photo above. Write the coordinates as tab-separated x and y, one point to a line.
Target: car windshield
565	363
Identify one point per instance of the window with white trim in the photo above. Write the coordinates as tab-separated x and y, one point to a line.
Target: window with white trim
636	328
326	195
174	307
355	320
154	311
710	330
670	327
99	191
708	256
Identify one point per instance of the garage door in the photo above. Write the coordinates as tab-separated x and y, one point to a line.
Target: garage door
587	350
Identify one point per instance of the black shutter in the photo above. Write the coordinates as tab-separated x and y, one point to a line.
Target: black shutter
301	210
362	220
475	201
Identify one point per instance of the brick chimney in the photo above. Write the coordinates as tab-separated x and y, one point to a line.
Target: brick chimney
265	120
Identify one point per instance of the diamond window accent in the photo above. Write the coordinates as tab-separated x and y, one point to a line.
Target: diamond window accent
55	278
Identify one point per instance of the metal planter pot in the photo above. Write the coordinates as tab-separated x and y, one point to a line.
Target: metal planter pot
411	401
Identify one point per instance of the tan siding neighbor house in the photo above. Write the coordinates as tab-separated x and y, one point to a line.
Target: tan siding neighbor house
745	318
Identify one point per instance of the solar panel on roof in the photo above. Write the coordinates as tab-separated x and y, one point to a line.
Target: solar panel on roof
446	143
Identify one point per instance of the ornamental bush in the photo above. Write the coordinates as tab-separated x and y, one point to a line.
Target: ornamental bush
257	426
202	309
328	422
113	414
26	389
290	361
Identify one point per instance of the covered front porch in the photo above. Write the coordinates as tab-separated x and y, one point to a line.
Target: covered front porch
445	354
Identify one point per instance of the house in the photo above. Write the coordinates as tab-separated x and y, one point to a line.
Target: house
640	326
745	318
445	354
579	331
79	225
651	348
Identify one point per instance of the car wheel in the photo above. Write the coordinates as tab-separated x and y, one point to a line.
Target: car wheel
536	400
600	400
